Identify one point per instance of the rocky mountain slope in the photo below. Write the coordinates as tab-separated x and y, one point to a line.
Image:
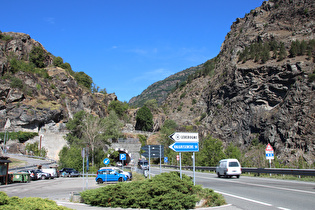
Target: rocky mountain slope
41	98
258	88
160	90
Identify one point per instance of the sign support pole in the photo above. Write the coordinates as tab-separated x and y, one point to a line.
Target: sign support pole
83	155
149	162
160	160
180	165
194	168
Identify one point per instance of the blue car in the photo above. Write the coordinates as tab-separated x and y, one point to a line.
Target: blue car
109	175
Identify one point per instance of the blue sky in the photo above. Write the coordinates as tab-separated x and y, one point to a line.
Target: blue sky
126	45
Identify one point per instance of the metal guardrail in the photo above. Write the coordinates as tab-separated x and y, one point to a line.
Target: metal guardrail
287	171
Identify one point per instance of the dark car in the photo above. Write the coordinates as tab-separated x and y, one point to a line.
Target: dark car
33	174
143	164
70	172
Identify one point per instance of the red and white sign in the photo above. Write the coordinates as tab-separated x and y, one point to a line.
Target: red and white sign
269	148
177	157
269	152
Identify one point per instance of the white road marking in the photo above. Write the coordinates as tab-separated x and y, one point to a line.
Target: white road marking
246	199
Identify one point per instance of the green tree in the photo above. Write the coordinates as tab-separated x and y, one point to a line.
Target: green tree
37	56
210	152
168	127
119	107
113	126
83	79
66	66
70	157
74	126
58	61
233	152
94	133
294	50
282	52
144	119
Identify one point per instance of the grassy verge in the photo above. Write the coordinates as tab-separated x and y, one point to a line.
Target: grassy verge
16	163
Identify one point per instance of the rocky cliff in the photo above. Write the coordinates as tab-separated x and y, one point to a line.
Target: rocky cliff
269	95
40	99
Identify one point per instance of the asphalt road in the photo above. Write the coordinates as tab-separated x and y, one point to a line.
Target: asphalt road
258	193
243	193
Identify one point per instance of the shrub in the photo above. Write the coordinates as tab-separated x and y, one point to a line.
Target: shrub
37	57
58	61
16	83
33	148
14	202
164	191
83	79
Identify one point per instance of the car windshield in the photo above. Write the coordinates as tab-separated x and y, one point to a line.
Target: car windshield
233	164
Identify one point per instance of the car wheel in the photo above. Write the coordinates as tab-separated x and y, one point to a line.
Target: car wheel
238	176
120	179
43	177
99	181
218	174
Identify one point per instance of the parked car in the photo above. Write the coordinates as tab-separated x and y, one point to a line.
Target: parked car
52	171
127	173
69	172
42	175
229	168
143	164
33	174
109	175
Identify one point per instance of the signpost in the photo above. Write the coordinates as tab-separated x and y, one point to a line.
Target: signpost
122	157
153	151
185	137
269	154
106	161
185	146
185	142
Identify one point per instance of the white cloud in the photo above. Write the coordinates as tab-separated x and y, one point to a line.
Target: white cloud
49	20
154	75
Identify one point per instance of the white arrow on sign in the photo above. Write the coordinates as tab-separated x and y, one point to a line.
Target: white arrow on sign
184	137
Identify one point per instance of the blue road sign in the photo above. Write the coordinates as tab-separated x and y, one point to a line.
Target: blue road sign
165	159
122	156
106	161
185	146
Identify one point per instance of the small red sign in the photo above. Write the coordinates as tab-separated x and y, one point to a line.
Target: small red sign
177	157
269	147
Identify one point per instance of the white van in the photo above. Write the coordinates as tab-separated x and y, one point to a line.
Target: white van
51	171
229	168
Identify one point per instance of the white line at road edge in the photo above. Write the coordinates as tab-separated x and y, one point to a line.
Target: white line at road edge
250	200
247	199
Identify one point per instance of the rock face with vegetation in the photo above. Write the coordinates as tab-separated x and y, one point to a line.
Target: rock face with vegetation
160	90
260	88
39	93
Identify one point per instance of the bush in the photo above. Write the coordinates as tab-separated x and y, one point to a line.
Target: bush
37	57
83	79
164	191
14	202
144	119
16	83
58	61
